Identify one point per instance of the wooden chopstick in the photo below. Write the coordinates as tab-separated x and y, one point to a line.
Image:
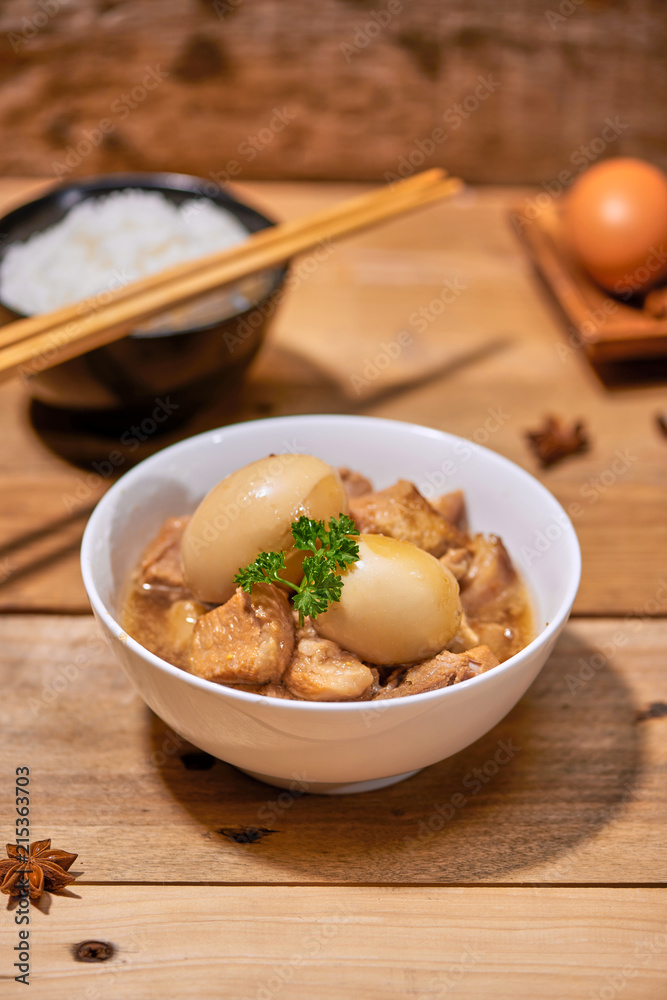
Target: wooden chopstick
24	328
52	342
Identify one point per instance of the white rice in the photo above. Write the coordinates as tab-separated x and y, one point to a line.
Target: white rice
108	241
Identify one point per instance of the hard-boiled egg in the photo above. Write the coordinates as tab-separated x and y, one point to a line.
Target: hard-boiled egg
251	511
398	604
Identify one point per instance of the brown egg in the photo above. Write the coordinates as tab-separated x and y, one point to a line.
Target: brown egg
398	604
615	218
251	511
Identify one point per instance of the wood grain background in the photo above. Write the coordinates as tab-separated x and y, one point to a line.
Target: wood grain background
496	92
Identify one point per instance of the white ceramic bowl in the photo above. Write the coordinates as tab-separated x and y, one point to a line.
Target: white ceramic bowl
337	747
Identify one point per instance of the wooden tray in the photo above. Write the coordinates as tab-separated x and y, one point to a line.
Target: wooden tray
608	328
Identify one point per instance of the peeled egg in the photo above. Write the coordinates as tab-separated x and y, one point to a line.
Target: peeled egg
251	511
615	218
398	604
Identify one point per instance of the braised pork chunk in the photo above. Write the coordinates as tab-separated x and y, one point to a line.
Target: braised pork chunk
490	574
441	671
494	598
452	506
355	484
321	671
161	562
247	640
402	512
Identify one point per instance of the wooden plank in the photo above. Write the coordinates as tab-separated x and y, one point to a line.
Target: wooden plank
333	943
584	799
498	95
487	366
39	561
621	528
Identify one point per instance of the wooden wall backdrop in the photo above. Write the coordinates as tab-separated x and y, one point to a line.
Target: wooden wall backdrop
507	91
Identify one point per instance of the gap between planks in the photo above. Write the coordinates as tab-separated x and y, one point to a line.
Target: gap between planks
332	883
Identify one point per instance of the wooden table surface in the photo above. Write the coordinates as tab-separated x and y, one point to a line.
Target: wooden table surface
548	880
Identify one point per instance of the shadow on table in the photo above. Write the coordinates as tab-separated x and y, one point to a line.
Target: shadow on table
571	760
35	550
284	382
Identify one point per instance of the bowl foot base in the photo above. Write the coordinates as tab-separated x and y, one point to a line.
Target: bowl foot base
332	787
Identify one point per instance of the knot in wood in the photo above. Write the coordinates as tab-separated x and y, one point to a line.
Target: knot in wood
93	951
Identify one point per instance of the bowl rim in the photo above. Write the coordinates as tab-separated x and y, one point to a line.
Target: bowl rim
227	692
97	185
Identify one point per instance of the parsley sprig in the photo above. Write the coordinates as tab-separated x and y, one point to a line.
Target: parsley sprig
331	549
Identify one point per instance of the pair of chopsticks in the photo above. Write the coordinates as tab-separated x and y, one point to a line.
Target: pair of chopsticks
31	345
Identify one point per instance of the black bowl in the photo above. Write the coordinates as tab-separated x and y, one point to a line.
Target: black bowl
115	386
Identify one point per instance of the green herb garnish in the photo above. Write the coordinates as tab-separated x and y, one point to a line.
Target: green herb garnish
331	549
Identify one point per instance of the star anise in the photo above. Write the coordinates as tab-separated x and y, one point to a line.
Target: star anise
554	440
43	867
